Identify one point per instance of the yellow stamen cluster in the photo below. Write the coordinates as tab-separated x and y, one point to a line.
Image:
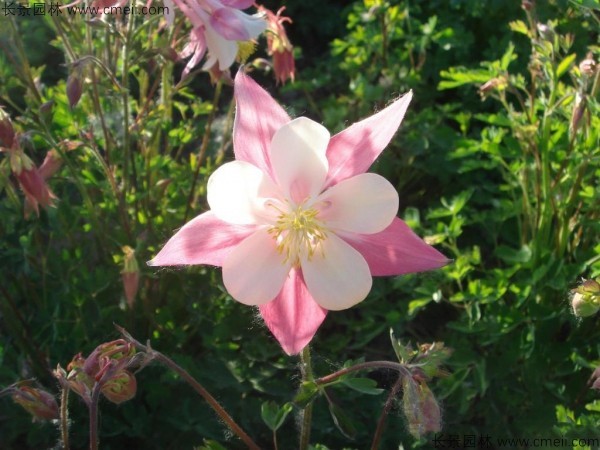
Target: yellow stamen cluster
298	231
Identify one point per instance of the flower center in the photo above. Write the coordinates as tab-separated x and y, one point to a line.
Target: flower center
298	232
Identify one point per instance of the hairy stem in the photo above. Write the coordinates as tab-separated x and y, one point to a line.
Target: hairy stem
64	418
307	375
213	403
384	413
93	408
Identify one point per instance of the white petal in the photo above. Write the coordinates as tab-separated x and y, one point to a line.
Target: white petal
239	192
366	203
220	49
298	158
254	271
338	277
254	24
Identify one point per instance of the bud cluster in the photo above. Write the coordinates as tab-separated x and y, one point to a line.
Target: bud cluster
105	369
586	298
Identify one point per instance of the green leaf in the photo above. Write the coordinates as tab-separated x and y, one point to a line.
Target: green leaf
512	256
519	26
308	391
565	65
364	385
592	4
458	76
508	57
403	353
273	415
342	421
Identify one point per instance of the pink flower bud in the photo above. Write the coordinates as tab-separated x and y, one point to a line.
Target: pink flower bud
130	275
40	404
578	111
52	163
74	87
7	132
35	189
420	407
118	350
120	387
527	5
587	67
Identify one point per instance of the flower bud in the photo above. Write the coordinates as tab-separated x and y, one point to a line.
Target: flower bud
118	350
527	5
420	407
40	404
74	87
587	67
495	84
546	31
583	305
578	111
130	275
52	164
120	387
7	132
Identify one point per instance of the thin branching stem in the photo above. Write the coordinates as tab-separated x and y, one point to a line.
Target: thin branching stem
384	413
213	403
203	148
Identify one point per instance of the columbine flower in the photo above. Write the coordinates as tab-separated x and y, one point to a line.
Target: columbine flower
31	179
279	46
218	27
296	224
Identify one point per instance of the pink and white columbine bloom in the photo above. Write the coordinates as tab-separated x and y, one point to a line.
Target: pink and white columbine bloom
295	223
218	26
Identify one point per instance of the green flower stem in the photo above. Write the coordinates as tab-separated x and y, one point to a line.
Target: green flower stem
307	375
213	403
127	155
64	418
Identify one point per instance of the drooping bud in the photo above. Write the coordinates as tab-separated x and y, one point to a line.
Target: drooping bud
36	190
130	275
74	87
527	5
37	402
578	111
7	132
120	387
52	163
420	407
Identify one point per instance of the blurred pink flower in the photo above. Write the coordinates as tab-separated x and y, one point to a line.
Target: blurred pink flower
296	224
279	46
31	179
218	26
